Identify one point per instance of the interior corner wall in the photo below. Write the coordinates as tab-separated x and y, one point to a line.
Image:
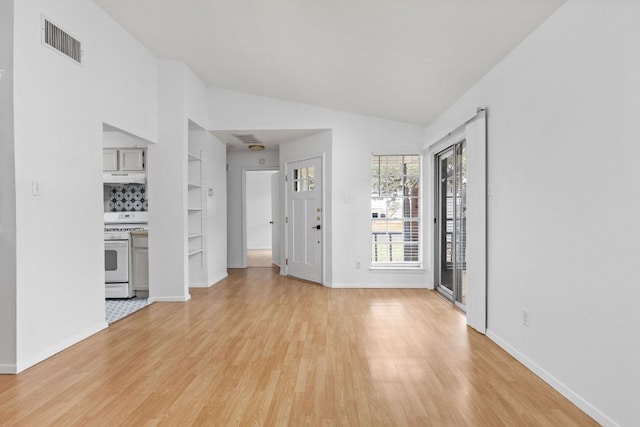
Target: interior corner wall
7	196
167	176
237	161
354	138
216	180
182	98
59	111
306	147
196	109
562	162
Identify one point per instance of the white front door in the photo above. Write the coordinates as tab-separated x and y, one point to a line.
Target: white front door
304	219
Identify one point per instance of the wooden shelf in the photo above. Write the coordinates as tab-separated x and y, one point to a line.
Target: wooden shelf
195	209
193	158
197	251
193	236
191	185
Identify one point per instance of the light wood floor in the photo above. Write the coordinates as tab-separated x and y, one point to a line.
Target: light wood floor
259	258
261	349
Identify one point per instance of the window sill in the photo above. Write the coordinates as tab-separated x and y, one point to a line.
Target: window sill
397	269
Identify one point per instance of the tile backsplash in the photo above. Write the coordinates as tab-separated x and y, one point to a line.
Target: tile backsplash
125	198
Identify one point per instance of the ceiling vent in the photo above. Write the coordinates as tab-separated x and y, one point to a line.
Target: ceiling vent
248	139
61	41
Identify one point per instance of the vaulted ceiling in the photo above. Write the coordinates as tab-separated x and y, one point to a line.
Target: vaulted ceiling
405	60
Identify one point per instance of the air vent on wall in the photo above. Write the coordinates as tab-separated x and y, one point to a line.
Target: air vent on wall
58	39
248	138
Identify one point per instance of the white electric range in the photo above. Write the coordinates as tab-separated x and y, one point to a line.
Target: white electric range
117	251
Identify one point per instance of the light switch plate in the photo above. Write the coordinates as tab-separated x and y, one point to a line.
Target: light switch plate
35	187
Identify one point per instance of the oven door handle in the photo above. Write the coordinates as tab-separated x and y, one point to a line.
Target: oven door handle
116	243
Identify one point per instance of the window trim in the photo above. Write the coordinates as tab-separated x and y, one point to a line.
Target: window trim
405	266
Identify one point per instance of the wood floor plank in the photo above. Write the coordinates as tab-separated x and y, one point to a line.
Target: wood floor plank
259	258
262	349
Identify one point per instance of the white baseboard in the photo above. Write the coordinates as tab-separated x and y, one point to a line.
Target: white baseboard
213	282
182	298
560	387
374	285
8	369
199	285
57	348
220	278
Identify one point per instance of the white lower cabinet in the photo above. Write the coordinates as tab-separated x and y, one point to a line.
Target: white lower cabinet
140	261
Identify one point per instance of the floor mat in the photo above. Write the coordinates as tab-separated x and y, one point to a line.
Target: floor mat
116	309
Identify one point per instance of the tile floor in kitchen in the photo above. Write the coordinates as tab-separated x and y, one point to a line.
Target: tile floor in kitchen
116	309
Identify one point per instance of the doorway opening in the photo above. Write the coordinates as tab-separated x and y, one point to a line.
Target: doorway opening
260	199
451	223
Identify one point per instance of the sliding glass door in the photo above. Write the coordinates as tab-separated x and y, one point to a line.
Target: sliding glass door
450	223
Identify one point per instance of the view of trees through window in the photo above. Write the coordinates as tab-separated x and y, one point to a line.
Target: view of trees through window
395	185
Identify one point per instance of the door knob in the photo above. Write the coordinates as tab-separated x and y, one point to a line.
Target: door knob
270	222
316	227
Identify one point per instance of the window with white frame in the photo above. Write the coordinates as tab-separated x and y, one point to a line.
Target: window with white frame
395	213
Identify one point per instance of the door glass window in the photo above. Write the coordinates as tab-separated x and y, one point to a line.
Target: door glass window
304	179
452	230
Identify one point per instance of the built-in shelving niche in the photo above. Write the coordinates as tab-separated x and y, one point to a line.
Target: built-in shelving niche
196	210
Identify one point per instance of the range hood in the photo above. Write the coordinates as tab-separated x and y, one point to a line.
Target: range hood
124	178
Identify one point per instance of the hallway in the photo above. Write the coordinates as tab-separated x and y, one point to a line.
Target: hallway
262	349
259	258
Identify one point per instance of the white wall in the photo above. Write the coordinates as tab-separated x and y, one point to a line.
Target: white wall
213	152
117	138
182	98
258	209
354	138
216	179
562	161
59	111
167	176
237	161
319	144
7	195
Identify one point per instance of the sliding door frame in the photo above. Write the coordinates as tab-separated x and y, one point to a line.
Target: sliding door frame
452	294
473	129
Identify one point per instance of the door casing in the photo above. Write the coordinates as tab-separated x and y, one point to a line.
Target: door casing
274	199
286	227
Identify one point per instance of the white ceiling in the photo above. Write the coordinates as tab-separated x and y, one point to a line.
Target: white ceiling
271	139
405	60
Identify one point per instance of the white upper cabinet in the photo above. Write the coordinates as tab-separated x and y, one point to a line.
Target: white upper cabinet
131	159
123	159
110	159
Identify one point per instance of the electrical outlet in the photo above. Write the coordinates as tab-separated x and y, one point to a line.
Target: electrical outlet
525	317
